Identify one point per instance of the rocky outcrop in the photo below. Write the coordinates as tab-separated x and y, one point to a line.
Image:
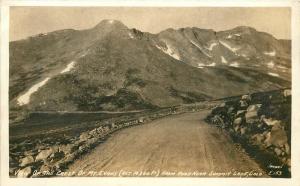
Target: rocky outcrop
262	120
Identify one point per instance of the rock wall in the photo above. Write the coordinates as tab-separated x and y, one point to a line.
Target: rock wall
263	122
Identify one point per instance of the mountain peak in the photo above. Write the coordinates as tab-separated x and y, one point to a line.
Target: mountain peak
110	23
245	29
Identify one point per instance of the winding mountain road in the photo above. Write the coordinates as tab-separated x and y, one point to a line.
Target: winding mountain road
177	145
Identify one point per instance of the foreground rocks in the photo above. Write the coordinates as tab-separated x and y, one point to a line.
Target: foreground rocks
51	155
24	173
262	120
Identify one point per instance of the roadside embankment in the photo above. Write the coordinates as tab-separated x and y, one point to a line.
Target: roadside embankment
261	122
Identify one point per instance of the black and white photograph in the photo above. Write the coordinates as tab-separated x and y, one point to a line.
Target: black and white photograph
149	92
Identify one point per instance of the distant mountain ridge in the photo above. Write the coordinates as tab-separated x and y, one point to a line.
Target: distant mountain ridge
112	67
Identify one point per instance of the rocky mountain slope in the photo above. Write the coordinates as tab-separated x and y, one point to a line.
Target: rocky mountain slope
112	67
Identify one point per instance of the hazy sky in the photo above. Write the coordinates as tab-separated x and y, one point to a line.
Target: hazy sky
27	21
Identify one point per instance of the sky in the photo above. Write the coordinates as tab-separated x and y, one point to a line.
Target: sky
28	21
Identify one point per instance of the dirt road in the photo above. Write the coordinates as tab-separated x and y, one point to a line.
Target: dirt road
179	145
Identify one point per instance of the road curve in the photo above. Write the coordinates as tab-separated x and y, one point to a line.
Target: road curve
178	145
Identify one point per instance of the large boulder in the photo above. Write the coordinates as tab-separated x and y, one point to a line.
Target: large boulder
254	107
246	97
252	113
236	128
83	148
141	119
113	126
258	139
277	137
271	122
106	129
94	132
277	151
44	154
100	131
243	104
46	170
237	121
26	161
30	153
84	136
68	149
24	173
92	142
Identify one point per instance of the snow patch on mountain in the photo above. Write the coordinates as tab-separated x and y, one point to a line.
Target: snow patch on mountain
271	64
131	35
231	35
69	67
169	51
273	74
233	49
282	67
223	60
234	64
200	48
211	65
202	65
25	98
212	45
84	53
245	56
272	53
